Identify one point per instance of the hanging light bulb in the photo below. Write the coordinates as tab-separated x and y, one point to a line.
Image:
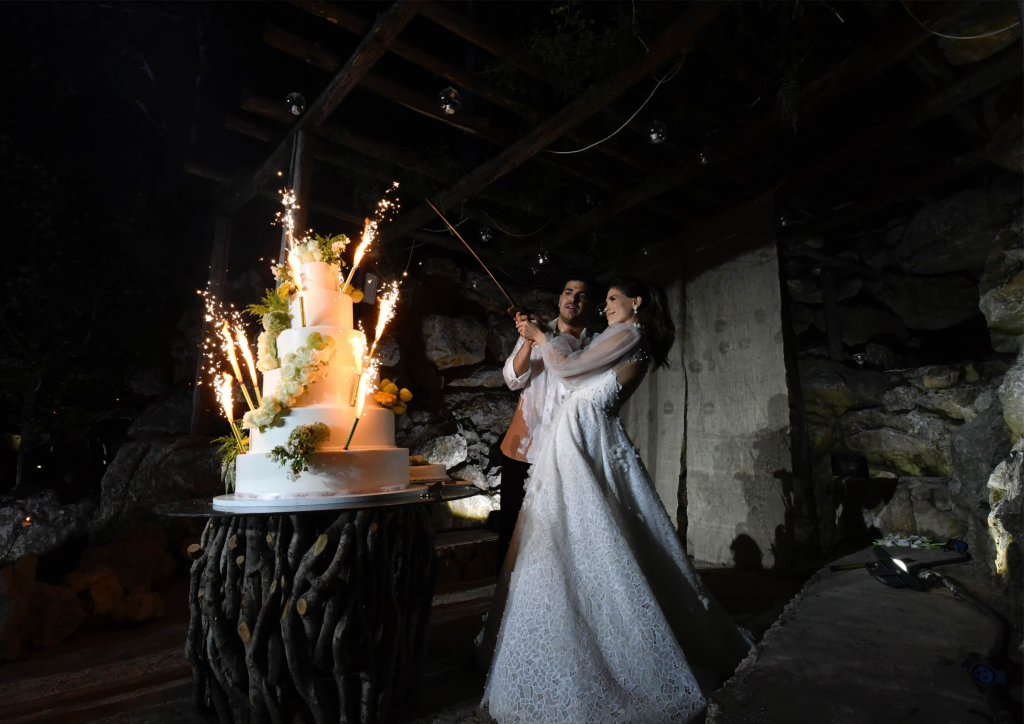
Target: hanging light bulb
449	100
542	257
704	155
295	103
485	234
657	132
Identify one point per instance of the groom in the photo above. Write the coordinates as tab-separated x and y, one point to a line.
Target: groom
540	397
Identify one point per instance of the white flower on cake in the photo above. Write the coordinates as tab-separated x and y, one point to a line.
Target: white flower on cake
298	369
290	371
265	358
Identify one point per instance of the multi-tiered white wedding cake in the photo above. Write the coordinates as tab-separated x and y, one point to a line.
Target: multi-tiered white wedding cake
372	463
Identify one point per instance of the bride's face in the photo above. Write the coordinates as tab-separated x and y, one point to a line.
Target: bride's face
618	308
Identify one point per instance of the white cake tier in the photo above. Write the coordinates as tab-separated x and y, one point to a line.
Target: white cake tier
322	307
376	428
332	386
319	275
291	339
330	474
429	473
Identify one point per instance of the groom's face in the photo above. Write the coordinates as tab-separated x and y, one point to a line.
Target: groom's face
574	304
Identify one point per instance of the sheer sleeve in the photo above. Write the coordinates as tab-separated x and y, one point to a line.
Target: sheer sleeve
606	351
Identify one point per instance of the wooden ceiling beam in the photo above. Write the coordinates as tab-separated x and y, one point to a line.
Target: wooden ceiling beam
317	56
360	165
490	41
344	19
387	27
380	151
679	35
933	75
994	72
334	212
865	63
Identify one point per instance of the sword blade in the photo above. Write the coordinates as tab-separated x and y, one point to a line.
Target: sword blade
512	310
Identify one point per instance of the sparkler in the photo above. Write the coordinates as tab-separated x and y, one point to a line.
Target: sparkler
511	310
359	352
224	398
385	315
229	350
361	395
243	343
369	233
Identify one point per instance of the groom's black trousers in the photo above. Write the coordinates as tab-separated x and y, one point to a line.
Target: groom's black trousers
513	486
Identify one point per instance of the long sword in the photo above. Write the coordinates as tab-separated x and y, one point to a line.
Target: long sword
511	310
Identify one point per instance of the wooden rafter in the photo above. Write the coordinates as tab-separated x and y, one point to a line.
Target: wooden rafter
387	155
679	35
474	84
490	41
315	55
334	212
865	63
369	50
1007	65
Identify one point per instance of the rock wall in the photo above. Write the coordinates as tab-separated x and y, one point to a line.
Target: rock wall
451	337
927	388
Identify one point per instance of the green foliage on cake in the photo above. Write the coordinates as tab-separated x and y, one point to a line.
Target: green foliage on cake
303	441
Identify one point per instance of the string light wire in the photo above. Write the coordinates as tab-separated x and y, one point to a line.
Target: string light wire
509	233
956	37
666	79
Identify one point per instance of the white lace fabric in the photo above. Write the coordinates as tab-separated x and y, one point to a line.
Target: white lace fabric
605	620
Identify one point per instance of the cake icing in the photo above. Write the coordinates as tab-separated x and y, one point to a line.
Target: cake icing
372	462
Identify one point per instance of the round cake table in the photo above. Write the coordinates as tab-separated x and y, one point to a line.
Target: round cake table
314	614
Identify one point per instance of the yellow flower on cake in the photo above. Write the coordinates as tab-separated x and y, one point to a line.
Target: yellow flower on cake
404	394
399	409
284	290
384	399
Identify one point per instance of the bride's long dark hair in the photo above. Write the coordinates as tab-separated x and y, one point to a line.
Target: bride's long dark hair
653	314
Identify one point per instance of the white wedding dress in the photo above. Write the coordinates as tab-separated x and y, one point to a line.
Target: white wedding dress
604	618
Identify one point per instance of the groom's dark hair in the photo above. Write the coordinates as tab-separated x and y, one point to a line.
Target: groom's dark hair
594	288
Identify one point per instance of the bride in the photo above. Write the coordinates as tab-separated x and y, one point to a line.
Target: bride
604	618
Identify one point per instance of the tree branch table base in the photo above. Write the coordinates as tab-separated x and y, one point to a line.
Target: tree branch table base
317	616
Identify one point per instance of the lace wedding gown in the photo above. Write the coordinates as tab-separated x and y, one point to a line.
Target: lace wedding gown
604	618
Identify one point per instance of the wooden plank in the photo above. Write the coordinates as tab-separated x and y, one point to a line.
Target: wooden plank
318	57
370	49
472	83
478	35
1002	68
863	64
440	240
677	36
340	16
367	166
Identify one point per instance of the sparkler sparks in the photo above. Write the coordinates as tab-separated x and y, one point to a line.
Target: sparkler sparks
243	344
386	314
229	350
226	404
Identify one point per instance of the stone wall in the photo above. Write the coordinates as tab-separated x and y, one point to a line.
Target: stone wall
451	337
928	387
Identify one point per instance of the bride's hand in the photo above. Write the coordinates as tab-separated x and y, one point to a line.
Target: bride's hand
531	332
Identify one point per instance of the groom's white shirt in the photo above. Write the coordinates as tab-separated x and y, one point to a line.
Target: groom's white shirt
541	396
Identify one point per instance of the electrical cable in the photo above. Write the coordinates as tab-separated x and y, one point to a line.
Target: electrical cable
509	233
956	37
666	79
